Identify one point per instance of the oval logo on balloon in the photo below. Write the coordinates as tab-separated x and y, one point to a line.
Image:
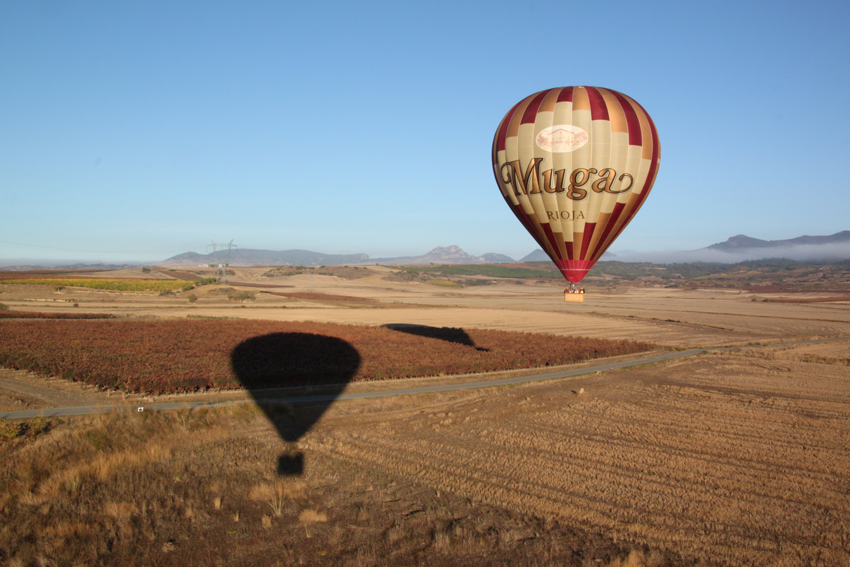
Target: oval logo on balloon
561	138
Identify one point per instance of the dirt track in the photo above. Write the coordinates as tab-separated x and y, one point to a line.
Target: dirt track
20	390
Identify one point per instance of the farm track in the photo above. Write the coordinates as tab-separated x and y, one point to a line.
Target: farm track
50	392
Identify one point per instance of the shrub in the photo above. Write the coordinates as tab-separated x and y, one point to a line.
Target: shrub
241	295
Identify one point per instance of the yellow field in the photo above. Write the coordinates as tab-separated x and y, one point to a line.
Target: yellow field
104	283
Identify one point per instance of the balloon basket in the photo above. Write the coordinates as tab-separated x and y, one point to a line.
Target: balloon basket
573	297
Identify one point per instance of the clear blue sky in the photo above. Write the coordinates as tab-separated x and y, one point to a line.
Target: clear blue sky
139	130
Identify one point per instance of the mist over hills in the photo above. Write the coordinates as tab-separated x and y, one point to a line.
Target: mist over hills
447	255
251	257
743	242
740	248
735	249
540	256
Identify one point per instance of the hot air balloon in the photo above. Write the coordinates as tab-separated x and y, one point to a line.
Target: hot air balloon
575	164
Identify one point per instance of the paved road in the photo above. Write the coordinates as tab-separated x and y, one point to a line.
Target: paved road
83	410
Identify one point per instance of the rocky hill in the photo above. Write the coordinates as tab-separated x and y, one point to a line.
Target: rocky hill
251	257
743	243
446	255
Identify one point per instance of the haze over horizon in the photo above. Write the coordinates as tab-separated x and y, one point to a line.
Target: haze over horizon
739	248
138	132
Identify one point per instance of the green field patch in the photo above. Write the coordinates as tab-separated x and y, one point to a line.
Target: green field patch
445	283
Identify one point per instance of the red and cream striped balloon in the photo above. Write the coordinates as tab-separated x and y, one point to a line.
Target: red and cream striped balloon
575	164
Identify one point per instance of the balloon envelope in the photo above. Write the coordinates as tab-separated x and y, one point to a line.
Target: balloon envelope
575	165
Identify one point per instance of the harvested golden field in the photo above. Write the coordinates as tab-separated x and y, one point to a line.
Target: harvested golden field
734	457
724	458
198	488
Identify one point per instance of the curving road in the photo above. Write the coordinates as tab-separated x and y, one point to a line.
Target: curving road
84	410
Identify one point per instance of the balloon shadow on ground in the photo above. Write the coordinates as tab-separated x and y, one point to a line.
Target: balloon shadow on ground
448	334
278	366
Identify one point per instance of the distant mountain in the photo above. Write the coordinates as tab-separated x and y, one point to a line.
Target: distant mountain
446	255
832	248
493	258
740	248
536	256
742	242
250	257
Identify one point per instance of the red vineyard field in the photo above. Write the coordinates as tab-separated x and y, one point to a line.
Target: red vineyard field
9	314
42	274
187	355
810	299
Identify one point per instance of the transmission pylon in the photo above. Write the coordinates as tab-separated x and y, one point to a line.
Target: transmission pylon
221	267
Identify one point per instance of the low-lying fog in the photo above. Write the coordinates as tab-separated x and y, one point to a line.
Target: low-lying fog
805	253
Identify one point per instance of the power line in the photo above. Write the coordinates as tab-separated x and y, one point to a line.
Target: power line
221	269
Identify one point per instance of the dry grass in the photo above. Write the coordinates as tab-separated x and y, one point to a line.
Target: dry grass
634	559
101	485
277	494
835	353
312	516
198	488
